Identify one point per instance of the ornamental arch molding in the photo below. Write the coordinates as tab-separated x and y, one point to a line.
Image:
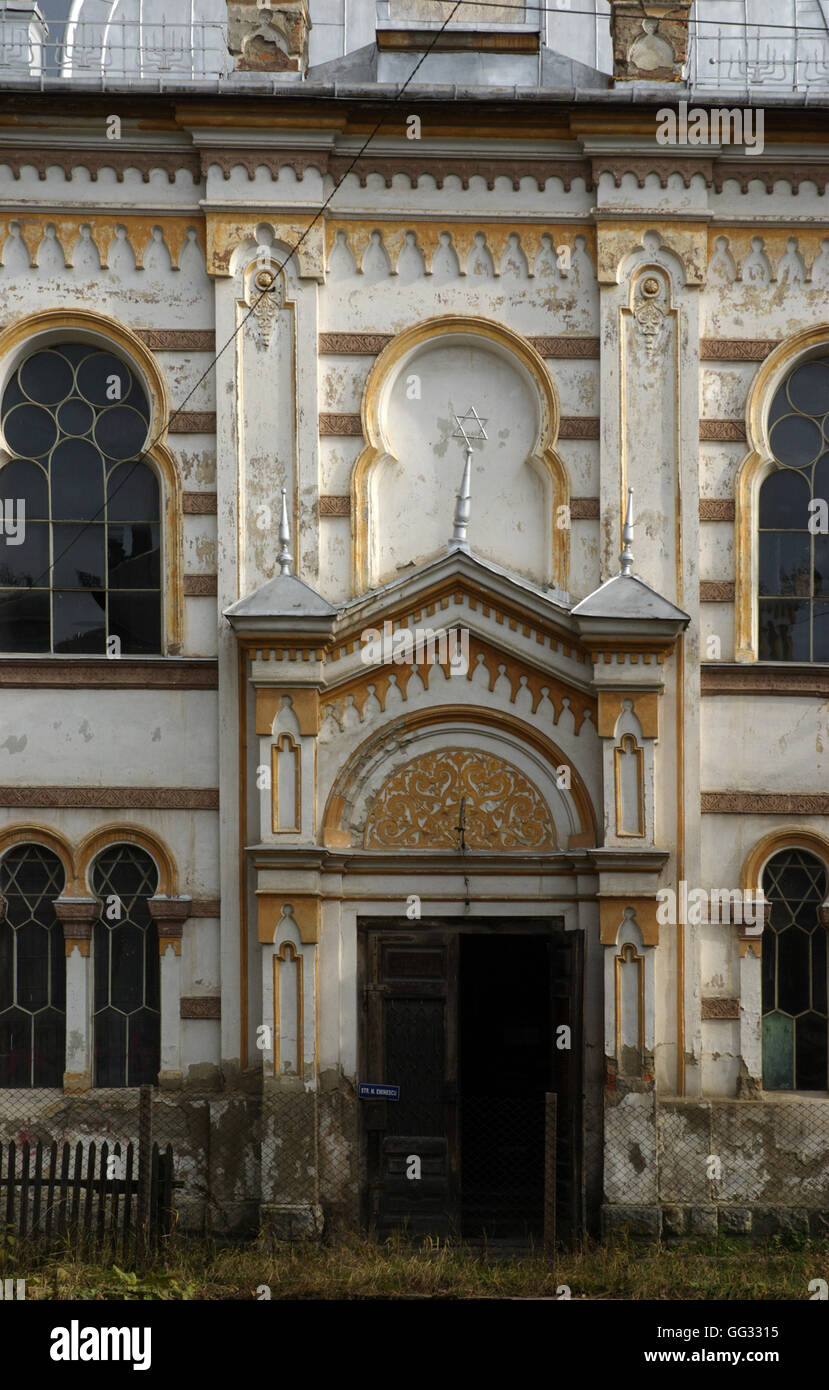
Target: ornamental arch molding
755	468
16	835
109	836
792	838
416	770
382	451
52	326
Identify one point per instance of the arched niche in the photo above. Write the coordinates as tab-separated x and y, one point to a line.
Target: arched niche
406	479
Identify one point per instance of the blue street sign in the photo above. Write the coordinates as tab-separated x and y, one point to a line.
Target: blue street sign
369	1090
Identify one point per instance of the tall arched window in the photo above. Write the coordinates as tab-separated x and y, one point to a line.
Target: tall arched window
80	549
794	560
32	969
795	1020
127	1010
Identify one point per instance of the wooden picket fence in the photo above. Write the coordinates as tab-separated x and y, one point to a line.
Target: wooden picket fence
100	1196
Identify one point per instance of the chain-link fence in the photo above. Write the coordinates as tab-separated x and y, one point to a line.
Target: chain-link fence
122	1167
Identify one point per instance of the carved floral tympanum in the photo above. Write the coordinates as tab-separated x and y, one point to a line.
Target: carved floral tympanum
419	807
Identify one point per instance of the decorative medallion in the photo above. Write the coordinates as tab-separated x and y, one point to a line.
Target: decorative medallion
649	315
459	798
265	299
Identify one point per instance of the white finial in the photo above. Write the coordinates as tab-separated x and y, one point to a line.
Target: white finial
284	556
626	557
469	426
459	540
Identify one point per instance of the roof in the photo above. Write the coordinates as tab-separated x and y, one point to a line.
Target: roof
627	596
738	49
286	596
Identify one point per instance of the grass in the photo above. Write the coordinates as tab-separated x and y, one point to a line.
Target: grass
356	1268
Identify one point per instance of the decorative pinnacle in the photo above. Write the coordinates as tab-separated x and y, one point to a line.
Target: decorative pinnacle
459	540
284	556
469	427
626	557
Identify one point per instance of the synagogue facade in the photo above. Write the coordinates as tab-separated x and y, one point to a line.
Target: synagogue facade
414	611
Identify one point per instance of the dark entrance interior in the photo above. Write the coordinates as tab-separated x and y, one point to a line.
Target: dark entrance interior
505	1067
467	1021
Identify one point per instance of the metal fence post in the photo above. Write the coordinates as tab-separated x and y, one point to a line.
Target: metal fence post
550	1116
145	1148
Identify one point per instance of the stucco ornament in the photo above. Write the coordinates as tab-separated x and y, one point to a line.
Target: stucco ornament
265	298
459	798
650	51
649	315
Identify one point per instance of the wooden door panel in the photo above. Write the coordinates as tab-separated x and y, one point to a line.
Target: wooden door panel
411	1045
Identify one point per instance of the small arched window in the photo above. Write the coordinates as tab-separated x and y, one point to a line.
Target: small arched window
793	554
80	551
127	1009
32	969
795	1019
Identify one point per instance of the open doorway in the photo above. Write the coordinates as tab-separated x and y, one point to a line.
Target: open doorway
468	1021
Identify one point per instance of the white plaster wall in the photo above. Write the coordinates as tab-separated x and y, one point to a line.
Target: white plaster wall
106	737
766	744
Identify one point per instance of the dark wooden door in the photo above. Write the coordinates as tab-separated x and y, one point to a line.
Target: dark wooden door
413	999
410	1002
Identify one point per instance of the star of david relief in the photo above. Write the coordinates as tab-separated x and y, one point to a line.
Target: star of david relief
470	427
424	804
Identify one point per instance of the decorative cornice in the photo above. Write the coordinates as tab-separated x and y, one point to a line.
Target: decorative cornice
457	41
77	915
200	1006
578	427
335	504
68	160
169	915
736	349
362	344
581	508
567	347
199	585
716	591
205	907
764	804
125	673
177	339
794	174
584	509
716	509
570	426
663	165
199	503
750	678
713	430
193	422
370	344
112	798
713	1007
339	424
411	165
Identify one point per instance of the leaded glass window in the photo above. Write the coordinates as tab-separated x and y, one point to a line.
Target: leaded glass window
32	969
793	562
795	1023
86	564
127	1018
